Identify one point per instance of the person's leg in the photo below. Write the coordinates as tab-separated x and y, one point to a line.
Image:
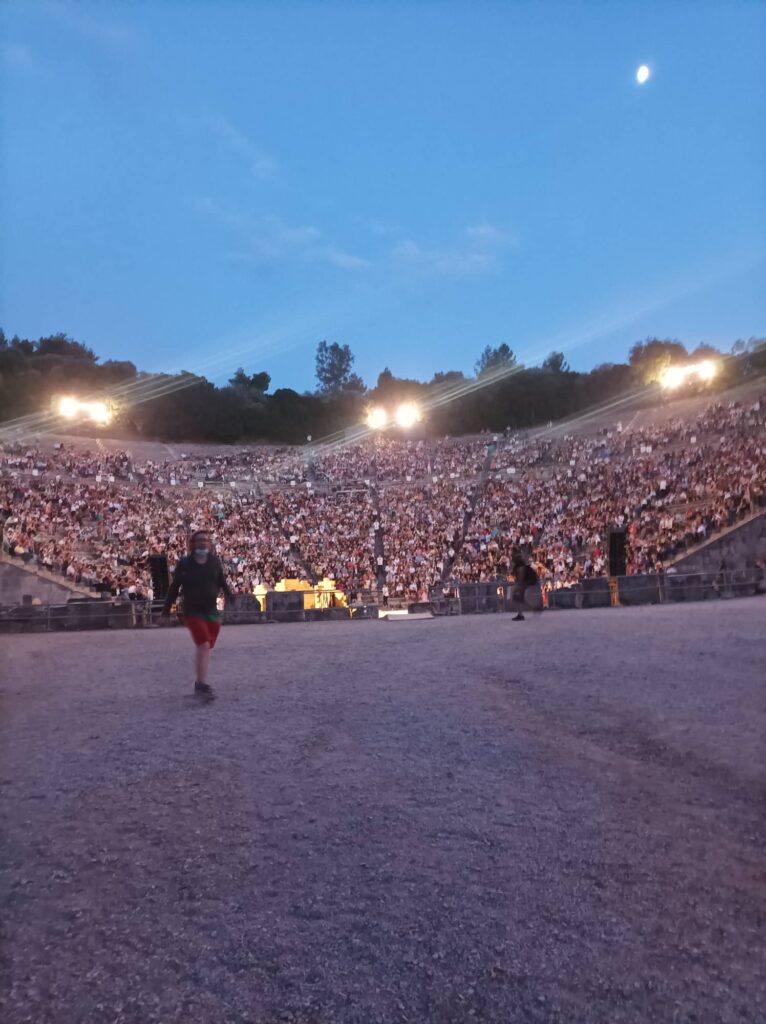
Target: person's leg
208	635
202	645
535	601
202	661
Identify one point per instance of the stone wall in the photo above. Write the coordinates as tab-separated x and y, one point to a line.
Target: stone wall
15	582
739	549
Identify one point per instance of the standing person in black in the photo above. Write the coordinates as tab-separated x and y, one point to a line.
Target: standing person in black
525	578
200	579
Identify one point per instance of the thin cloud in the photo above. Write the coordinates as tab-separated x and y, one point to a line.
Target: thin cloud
262	164
21	57
103	32
488	235
228	218
291	237
476	253
457	261
239	257
345	260
270	239
383	229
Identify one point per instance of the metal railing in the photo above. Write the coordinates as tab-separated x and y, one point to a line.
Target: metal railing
319	605
246	609
660	588
603	591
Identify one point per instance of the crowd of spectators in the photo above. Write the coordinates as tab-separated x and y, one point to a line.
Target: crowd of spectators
335	533
266	465
385	459
405	514
669	486
422	529
100	535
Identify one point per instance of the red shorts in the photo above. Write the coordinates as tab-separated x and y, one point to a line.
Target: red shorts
202	631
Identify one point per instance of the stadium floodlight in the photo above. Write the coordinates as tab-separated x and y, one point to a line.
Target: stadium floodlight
68	407
673	377
97	412
377	418
707	369
407	415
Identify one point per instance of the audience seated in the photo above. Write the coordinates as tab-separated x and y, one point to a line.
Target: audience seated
408	514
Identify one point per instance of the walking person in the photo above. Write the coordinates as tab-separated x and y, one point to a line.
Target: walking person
199	578
525	579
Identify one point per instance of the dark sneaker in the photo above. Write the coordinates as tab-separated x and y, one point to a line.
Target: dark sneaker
204	690
518	618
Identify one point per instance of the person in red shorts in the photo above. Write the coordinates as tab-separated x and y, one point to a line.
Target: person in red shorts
526	593
199	578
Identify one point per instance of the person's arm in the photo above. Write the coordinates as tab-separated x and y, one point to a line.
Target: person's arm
223	584
175	586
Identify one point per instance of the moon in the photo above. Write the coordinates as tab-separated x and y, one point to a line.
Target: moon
642	75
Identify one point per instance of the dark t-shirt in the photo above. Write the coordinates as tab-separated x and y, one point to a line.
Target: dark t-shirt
530	576
200	584
525	576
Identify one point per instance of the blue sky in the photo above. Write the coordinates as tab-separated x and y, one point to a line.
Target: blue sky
208	185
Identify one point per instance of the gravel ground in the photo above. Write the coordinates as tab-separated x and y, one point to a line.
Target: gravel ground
436	821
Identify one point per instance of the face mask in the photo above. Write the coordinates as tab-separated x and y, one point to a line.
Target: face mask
201	552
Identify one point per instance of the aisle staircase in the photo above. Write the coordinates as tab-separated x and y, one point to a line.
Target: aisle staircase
476	496
737	546
295	549
39	576
379	552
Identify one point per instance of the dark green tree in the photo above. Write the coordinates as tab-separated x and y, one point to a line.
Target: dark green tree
333	369
704	351
260	381
115	371
61	345
447	377
556	363
652	357
23	345
493	359
256	383
185	406
385	380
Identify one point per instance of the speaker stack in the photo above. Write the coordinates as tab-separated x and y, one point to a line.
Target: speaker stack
617	552
158	567
285	606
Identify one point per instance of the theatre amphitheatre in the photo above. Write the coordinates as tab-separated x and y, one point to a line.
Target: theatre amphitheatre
432	818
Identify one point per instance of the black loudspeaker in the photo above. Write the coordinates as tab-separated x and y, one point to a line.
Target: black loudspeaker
643	589
617	554
595	593
445	606
158	567
478	597
327	614
284	601
86	614
364	611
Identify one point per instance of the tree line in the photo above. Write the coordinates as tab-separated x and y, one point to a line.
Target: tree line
186	407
